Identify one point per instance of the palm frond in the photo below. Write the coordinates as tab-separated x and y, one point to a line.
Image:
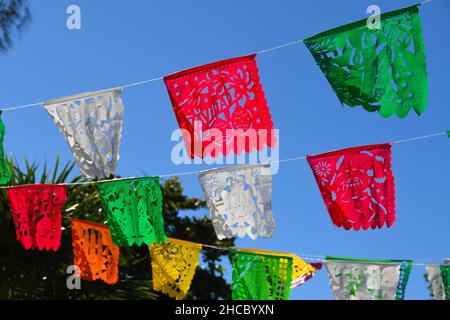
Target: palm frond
15	15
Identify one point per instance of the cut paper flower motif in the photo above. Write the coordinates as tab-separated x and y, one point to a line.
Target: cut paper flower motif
382	69
261	277
353	279
133	209
36	212
357	186
5	170
92	125
94	252
239	199
439	278
301	271
173	266
221	108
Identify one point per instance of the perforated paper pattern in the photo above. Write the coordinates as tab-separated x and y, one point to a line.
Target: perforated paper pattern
357	186
382	69
133	209
36	212
261	277
173	266
92	126
353	279
239	199
94	251
225	95
301	271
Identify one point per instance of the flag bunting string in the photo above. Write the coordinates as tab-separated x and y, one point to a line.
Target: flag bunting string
162	77
239	198
311	257
185	173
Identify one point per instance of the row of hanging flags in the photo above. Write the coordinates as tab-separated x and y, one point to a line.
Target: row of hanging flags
381	70
357	186
133	209
257	274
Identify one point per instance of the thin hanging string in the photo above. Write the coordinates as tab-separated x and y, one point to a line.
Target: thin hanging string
323	260
290	159
420	138
141	82
162	77
309	257
394	142
134	84
280	46
185	173
23	106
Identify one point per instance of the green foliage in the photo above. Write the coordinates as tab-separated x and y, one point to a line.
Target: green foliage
33	274
14	17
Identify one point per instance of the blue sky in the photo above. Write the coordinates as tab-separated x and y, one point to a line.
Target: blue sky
124	42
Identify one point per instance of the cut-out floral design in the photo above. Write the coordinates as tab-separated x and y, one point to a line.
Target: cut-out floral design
94	251
174	265
219	101
239	199
36	212
133	209
353	279
301	271
382	69
357	186
261	277
92	125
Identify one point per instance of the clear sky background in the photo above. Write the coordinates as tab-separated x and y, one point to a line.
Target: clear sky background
127	41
